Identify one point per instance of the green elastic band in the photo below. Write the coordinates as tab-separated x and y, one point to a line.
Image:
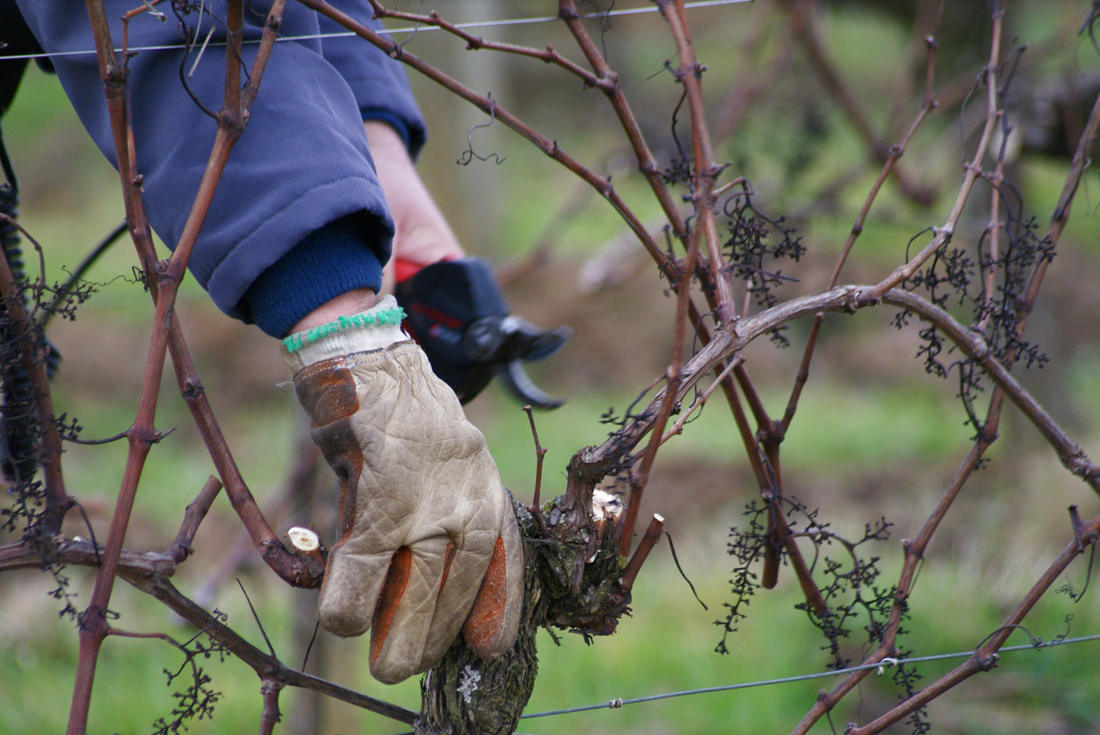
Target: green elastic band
298	340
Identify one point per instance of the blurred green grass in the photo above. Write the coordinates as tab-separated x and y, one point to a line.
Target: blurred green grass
667	646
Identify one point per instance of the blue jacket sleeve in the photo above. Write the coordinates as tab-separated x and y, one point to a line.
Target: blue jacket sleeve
379	84
301	164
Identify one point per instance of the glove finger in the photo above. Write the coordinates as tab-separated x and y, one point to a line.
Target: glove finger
403	616
457	592
350	590
493	623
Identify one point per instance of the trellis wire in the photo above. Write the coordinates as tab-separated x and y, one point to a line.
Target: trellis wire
881	666
406	29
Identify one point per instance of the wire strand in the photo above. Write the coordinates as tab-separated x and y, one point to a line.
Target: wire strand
390	31
884	664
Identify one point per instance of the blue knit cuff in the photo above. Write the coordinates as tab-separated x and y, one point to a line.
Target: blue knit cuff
327	263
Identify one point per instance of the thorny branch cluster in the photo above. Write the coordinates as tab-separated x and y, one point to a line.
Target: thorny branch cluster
725	259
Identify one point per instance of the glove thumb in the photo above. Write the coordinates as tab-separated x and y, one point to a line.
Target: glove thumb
491	628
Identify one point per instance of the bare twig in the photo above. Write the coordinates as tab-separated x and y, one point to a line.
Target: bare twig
647	164
943	234
649	540
698	403
726	342
301	478
985	657
82	552
896	152
974	347
196	512
476	43
705	234
914	550
149	573
540	454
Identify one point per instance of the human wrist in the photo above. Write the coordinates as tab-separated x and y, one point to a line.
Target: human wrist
346	304
422	235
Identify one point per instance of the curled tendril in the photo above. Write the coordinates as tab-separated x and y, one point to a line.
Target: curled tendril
469	154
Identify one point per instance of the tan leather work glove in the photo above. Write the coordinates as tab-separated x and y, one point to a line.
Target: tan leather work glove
427	539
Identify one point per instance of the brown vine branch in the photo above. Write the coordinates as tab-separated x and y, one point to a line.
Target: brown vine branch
698	404
286	564
93	625
82	552
689	74
923	42
292	568
265	665
540	455
765	470
149	572
647	164
974	347
914	551
719	293
477	43
1060	216
914	554
300	480
143	433
269	690
649	540
639	475
720	299
847	299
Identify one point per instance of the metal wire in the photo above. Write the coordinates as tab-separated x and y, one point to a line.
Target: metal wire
884	664
405	29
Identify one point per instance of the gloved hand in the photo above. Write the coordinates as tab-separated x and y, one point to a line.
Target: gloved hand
427	539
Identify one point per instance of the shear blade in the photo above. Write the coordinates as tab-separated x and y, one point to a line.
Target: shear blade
515	379
548	343
527	342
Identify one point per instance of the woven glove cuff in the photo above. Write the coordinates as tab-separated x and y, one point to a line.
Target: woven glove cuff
374	329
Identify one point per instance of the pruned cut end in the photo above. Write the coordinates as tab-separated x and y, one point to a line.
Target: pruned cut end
605	505
304	539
